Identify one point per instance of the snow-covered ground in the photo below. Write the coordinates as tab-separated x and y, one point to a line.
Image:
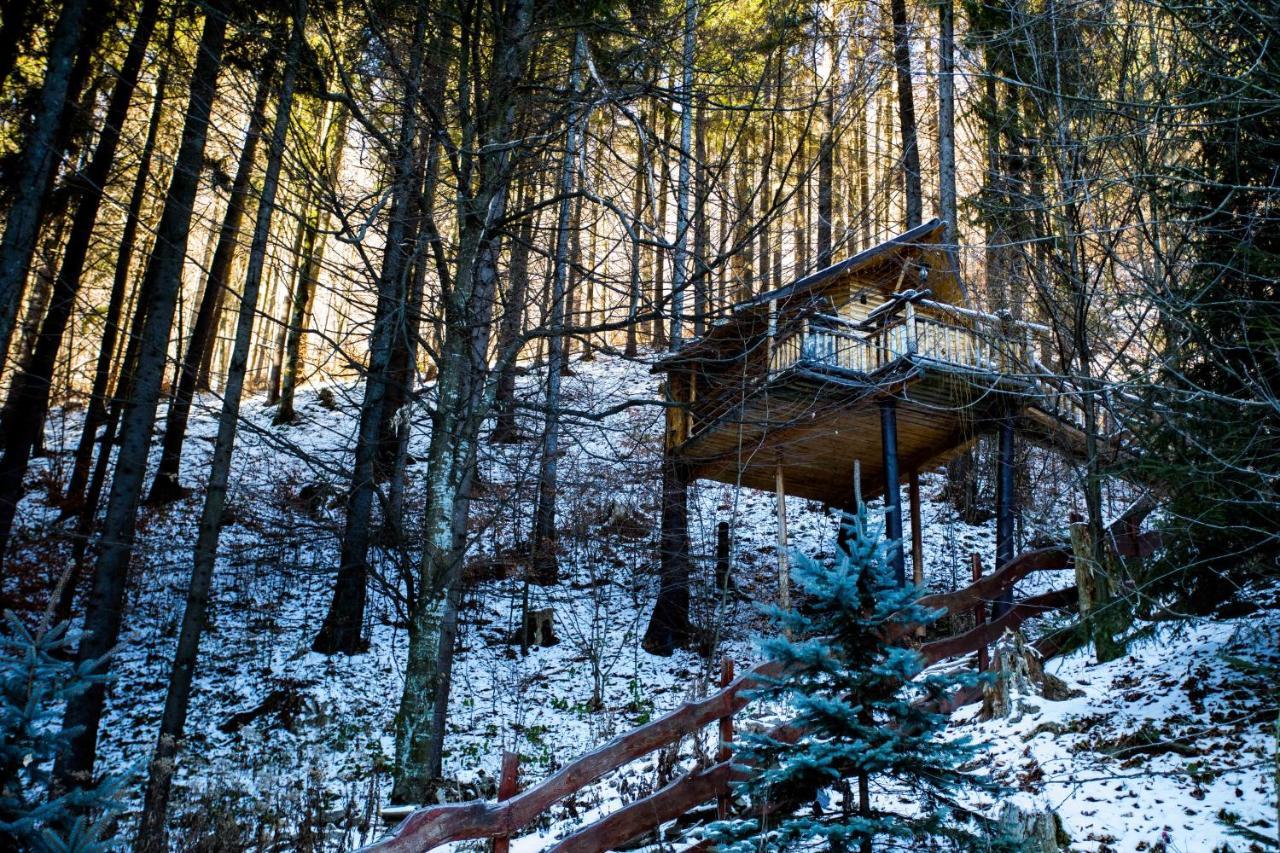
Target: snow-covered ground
306	762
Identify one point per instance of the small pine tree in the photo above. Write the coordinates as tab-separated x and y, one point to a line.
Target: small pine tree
35	682
858	703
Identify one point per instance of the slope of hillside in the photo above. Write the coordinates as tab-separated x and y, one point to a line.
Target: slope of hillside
289	748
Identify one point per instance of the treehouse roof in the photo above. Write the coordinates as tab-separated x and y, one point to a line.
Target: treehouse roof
883	267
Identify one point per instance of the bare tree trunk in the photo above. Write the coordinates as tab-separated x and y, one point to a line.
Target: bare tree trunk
680	271
151	829
40	152
907	114
164	270
343	624
660	228
637	226
166	486
947	122
826	175
463	397
21	421
545	567
513	313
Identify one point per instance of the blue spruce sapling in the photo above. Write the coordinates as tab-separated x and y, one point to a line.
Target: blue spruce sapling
863	716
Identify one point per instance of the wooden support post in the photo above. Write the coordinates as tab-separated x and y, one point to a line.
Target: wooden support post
979	609
1005	506
726	737
917	532
508	786
784	569
892	492
722	557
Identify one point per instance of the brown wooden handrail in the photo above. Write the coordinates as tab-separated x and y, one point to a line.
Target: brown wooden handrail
431	826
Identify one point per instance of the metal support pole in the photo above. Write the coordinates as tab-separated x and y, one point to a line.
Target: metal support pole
892	493
1006	503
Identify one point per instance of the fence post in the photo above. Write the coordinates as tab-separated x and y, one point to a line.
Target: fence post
726	736
508	786
979	609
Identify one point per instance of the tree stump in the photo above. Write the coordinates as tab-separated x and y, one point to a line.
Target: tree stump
1035	830
539	627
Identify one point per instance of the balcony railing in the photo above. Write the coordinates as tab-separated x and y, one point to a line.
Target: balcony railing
833	342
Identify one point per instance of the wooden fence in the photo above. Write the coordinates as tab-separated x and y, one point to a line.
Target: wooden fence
431	826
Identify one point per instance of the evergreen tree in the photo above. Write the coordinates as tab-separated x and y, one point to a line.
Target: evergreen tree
863	714
36	679
1211	416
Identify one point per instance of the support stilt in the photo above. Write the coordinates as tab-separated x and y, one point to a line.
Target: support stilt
1005	507
917	529
892	492
784	569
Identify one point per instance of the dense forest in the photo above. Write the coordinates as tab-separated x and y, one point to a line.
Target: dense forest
364	296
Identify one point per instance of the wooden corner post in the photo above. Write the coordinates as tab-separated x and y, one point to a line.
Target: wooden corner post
726	737
508	787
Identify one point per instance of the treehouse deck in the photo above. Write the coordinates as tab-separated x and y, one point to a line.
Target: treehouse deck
790	391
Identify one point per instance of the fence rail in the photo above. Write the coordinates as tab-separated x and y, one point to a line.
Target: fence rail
432	826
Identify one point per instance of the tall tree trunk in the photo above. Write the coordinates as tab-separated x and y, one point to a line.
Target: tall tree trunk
907	114
637	226
545	567
166	486
513	312
40	154
463	397
947	122
680	269
660	229
702	222
96	412
164	270
669	624
571	288
151	828
826	169
21	421
341	631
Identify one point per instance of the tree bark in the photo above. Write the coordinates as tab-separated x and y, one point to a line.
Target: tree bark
343	624
164	269
907	114
40	154
21	421
166	486
463	399
151	829
544	569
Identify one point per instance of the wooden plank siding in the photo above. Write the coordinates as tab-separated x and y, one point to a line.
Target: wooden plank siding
795	377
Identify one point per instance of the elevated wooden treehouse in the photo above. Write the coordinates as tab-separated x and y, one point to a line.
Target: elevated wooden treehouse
875	364
875	361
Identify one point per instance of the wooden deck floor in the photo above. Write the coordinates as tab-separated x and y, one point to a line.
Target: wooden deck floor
815	423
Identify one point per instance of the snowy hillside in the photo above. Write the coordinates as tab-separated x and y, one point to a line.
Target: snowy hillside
1169	746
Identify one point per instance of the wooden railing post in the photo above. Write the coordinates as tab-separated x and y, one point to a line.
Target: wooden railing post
979	609
508	787
726	737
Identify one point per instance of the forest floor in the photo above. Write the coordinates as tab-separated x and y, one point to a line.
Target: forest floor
1165	748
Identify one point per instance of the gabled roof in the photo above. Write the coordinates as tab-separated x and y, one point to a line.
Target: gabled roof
750	316
928	233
